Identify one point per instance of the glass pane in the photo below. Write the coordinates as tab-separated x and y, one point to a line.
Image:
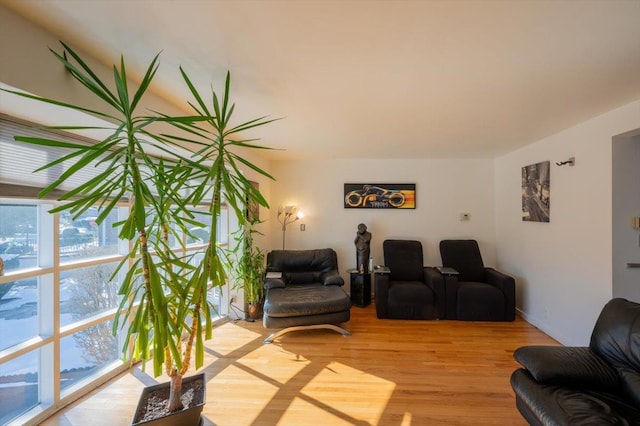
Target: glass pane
200	233
223	226
84	352
19	386
85	292
155	232
18	236
82	237
214	296
18	311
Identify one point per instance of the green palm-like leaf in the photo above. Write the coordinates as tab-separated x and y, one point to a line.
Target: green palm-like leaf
85	67
86	76
164	293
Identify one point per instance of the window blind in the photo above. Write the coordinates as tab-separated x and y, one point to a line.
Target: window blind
19	160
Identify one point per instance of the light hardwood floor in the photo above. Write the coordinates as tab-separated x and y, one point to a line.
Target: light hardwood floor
388	372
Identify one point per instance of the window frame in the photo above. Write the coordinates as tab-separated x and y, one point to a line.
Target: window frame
48	273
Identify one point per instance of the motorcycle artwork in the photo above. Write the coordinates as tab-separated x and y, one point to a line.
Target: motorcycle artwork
397	196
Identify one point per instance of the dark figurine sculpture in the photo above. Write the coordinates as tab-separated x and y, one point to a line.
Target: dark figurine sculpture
363	250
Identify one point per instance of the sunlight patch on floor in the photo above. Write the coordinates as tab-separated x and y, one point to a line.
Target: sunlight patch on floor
229	389
261	360
366	407
314	414
97	409
234	339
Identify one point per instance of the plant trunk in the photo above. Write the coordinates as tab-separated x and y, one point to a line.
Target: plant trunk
175	403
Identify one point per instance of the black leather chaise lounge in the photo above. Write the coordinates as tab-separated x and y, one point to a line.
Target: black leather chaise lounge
303	291
594	385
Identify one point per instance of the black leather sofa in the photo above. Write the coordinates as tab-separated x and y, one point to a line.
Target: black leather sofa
595	385
304	290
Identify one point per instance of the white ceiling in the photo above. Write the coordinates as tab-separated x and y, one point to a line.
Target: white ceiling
376	79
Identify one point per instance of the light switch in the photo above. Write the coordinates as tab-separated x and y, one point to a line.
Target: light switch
465	216
303	227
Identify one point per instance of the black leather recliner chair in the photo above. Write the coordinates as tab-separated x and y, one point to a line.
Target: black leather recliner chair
595	385
409	290
306	292
477	293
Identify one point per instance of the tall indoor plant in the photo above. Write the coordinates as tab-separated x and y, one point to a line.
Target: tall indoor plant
248	268
165	306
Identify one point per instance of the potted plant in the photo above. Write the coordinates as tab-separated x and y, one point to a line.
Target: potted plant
165	307
249	268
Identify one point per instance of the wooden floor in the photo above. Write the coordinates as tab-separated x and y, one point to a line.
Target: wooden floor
388	372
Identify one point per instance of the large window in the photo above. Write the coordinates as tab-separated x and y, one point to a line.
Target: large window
58	295
57	303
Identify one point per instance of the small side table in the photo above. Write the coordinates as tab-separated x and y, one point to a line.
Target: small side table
360	288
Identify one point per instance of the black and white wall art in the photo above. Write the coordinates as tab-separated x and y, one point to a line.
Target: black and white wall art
536	184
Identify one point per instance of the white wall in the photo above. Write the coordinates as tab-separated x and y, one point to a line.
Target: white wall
626	205
444	189
26	63
563	268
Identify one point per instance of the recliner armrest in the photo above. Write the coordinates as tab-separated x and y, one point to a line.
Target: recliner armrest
381	283
507	285
434	279
331	278
574	366
497	278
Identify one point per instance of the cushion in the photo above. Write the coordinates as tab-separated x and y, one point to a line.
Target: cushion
331	278
465	257
479	302
405	259
319	260
301	277
566	405
562	365
274	283
410	300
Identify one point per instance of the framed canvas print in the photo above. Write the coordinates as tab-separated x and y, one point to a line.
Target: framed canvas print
379	196
536	186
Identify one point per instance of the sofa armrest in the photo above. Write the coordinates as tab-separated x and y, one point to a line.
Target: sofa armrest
331	278
507	285
573	366
274	279
434	279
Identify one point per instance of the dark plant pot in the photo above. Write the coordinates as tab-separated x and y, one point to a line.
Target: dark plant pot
254	310
187	417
